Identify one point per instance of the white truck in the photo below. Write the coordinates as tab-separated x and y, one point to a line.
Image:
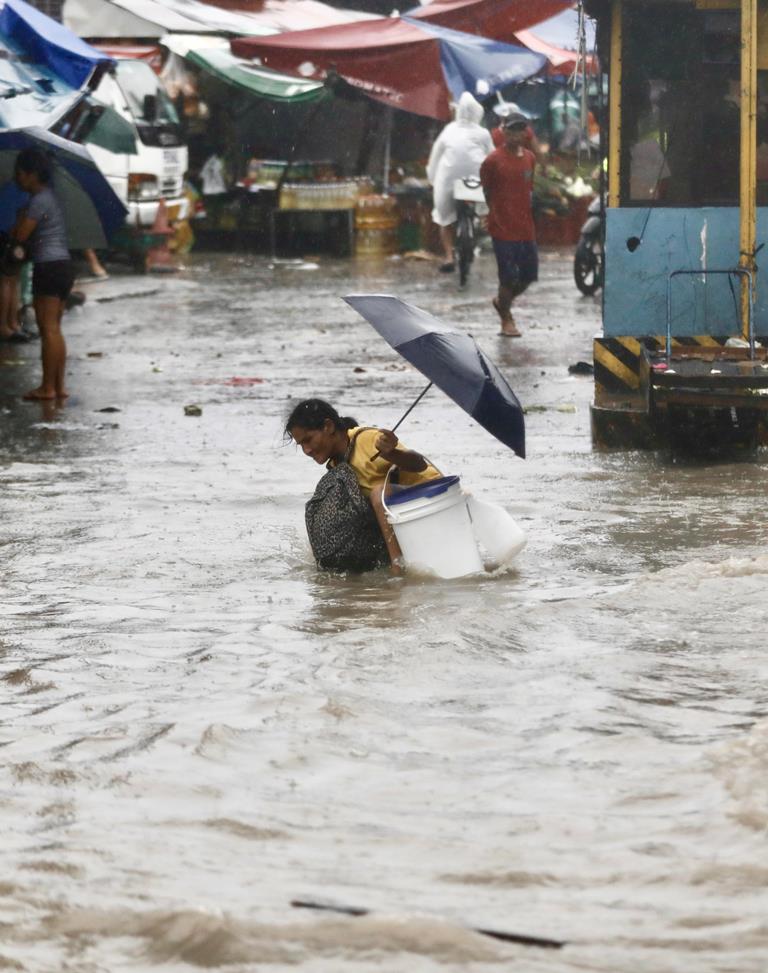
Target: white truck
156	171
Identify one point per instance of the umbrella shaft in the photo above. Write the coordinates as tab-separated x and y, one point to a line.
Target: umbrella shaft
407	412
412	406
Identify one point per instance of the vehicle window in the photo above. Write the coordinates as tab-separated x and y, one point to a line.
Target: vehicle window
137	80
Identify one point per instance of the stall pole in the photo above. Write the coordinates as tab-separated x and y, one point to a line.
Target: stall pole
387	147
748	174
614	105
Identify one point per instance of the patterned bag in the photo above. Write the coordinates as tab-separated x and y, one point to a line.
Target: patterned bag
342	527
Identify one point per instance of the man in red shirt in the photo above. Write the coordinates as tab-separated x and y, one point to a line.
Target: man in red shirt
507	178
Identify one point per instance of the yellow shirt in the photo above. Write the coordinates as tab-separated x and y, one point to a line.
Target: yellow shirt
371	471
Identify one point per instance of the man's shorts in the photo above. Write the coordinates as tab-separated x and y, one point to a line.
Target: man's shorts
518	262
53	278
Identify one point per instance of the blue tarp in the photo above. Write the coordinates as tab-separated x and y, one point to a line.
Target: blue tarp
477	64
30	93
47	42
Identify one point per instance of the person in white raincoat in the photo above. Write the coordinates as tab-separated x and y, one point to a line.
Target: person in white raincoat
457	153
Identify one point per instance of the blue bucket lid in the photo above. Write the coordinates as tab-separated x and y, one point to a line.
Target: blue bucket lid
430	488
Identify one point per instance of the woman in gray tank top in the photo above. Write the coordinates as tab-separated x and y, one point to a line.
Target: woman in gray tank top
41	228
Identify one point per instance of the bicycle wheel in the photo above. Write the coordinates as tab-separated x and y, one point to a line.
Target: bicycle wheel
465	244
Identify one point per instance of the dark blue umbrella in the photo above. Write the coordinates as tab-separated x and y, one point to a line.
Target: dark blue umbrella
451	360
92	209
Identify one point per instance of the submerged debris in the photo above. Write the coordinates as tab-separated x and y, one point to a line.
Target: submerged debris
581	368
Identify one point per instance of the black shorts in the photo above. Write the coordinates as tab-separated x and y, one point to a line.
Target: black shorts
518	262
54	278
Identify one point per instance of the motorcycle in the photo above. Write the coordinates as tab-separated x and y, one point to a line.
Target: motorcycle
588	259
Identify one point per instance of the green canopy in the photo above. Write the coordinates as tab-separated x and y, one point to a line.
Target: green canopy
222	64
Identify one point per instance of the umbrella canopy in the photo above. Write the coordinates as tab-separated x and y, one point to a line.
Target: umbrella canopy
414	65
92	210
451	360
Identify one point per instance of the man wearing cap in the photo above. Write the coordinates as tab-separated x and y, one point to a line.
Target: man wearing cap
531	142
507	178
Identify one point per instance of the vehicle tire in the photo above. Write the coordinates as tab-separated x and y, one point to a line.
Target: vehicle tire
588	267
465	246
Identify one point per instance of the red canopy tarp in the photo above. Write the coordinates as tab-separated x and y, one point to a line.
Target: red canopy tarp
561	60
390	59
151	53
498	19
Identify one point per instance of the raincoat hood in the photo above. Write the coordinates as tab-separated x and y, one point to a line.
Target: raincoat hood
469	111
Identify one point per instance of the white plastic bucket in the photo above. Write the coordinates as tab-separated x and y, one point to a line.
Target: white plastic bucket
433	528
495	530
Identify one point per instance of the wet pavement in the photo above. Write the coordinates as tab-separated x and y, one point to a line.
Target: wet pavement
198	727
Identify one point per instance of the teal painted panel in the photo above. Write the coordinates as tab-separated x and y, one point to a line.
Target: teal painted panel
635	299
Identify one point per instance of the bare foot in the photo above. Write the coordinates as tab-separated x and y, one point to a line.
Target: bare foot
508	325
35	395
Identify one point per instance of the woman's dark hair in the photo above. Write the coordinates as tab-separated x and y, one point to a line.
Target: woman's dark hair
312	413
36	162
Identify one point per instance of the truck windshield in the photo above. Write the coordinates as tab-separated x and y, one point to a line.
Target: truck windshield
145	95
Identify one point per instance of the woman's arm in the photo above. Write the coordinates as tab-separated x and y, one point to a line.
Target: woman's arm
403	459
23	229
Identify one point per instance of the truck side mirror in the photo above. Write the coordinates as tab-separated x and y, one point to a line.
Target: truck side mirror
150	108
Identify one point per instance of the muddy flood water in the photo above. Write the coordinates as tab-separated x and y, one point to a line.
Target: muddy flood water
198	727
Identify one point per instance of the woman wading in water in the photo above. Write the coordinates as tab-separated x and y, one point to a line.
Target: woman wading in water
330	439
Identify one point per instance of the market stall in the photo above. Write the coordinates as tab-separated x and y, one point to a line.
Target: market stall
413	66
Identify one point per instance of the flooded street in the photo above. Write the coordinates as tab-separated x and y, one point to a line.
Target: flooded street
198	727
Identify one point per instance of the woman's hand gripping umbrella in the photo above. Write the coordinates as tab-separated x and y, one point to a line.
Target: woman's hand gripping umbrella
450	360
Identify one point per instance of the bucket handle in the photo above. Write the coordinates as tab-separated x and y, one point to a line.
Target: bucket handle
384	491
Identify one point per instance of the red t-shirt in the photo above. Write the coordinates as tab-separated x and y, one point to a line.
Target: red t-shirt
507	179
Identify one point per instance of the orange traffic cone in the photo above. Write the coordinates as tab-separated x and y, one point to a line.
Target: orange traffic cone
159	257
